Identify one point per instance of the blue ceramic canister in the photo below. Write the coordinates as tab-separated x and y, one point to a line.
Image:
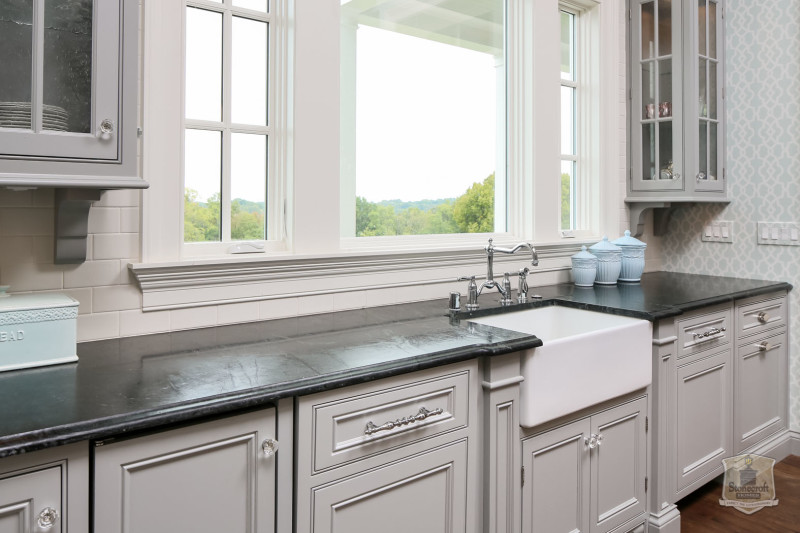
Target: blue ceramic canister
609	261
632	257
584	268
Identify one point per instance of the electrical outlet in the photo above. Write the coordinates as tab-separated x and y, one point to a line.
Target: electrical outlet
717	231
779	233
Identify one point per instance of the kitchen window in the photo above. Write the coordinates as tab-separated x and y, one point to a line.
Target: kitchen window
312	148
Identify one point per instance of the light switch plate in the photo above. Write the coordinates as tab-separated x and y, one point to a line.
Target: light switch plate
717	231
779	233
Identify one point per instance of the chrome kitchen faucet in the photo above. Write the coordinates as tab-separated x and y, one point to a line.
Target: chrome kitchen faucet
503	288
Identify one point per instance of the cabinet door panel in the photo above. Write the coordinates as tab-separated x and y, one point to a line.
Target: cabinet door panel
555	497
207	478
23	497
426	493
760	398
704	414
618	465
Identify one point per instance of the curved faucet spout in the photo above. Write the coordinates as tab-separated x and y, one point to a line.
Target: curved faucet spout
534	256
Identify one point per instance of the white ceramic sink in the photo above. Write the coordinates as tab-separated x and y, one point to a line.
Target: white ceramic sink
586	358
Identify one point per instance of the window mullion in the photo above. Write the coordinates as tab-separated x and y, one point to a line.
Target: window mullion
227	57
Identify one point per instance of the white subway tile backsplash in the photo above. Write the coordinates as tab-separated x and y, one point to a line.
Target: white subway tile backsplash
238	312
26	221
349	300
278	308
42	246
116	298
119	198
9	198
104	220
98	326
378	297
31	276
44	197
311	305
94	274
115	246
193	317
84	297
129	219
16	250
139	323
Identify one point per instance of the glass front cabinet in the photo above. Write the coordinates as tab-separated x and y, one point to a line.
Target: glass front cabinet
676	115
68	93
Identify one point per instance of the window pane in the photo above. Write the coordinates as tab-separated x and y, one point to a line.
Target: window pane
712	30
703	147
665	81
257	5
648	90
203	185
249	72
67	65
666	171
568	120
664	27
648	30
712	150
712	89
702	99
203	64
567	46
248	186
423	117
567	195
648	151
701	27
16	20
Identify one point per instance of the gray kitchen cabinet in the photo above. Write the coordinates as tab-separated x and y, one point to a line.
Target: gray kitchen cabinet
45	491
395	455
210	477
676	117
588	475
68	101
703	418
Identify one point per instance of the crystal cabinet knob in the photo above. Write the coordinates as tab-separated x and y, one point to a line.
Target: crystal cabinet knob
106	129
269	447
47	518
593	441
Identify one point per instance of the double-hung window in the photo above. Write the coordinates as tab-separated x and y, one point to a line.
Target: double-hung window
570	115
227	129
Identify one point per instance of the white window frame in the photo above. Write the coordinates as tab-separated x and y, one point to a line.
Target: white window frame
305	155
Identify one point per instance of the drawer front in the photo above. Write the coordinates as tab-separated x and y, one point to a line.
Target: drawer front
760	398
704	332
32	502
761	316
378	418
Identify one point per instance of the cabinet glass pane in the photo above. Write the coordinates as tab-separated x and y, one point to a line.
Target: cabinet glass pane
67	78
664	27
712	89
664	85
712	151
703	147
249	72
665	150
202	179
648	30
702	99
257	5
203	64
648	151
648	90
248	186
712	30
16	42
701	27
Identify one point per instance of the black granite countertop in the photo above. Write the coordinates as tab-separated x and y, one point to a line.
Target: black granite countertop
130	384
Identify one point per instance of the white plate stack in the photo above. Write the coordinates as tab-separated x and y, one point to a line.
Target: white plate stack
18	115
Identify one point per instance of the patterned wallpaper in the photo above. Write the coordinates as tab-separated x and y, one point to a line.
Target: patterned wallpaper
763	162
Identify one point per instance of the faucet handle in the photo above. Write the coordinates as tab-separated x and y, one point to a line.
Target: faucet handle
522	288
472	292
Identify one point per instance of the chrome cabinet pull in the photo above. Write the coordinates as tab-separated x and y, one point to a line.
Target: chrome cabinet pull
421	415
713	333
763	317
269	447
47	518
764	346
593	441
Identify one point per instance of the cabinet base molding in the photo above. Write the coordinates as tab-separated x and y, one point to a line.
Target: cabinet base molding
794	439
667	521
778	446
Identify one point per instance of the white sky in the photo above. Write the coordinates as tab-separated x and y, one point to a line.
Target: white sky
426	114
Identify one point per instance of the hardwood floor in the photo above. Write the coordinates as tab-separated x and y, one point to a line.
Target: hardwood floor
702	513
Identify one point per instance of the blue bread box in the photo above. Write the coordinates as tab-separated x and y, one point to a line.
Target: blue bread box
37	330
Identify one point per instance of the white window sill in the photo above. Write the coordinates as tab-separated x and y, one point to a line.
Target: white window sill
221	280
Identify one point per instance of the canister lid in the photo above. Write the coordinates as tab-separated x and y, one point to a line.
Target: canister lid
20	302
604	247
583	254
627	240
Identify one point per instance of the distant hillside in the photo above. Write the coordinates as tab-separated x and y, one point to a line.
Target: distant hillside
422	205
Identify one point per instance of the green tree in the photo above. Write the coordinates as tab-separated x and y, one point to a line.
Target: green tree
566	207
474	210
247	221
201	221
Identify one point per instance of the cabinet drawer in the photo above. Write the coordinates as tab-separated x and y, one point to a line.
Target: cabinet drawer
704	332
29	502
760	316
382	415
